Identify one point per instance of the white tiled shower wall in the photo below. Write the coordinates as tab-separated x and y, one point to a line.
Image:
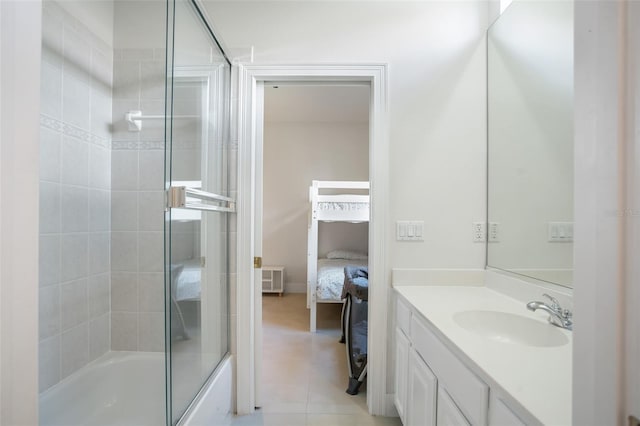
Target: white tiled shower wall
137	204
137	213
101	202
75	181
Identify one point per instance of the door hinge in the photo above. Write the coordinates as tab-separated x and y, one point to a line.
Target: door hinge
257	262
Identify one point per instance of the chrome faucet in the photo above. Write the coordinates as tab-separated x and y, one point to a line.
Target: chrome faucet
557	316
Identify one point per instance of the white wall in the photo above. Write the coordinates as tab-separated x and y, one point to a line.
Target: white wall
133	32
95	14
20	41
294	155
436	56
435	53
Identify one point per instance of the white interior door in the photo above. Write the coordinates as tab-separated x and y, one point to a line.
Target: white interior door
258	242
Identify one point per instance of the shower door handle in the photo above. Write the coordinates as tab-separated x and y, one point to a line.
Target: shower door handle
182	197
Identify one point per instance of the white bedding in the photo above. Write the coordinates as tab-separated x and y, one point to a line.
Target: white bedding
342	206
331	277
187	284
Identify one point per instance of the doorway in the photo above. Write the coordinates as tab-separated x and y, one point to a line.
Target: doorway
312	132
251	115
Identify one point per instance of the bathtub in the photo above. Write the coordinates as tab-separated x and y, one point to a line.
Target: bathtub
119	388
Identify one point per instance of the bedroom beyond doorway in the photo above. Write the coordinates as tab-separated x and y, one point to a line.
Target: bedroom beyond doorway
312	132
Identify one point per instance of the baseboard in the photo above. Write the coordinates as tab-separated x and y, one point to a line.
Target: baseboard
295	287
390	409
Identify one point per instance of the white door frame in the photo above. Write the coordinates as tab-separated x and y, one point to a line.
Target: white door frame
379	289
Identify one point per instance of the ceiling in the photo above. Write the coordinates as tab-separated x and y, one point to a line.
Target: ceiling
320	103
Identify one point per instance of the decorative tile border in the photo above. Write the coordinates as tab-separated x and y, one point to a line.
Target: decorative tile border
83	135
149	145
124	145
182	144
73	131
137	145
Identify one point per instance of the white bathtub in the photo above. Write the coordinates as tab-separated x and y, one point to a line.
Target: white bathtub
119	388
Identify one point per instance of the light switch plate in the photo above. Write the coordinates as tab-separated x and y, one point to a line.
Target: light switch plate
410	230
560	232
494	232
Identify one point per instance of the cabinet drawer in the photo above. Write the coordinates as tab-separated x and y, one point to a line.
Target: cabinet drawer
469	392
403	315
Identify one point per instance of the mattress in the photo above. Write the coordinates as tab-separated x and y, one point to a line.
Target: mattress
187	284
331	277
342	206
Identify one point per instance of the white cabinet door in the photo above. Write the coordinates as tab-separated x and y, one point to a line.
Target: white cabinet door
501	415
448	412
470	393
421	396
402	368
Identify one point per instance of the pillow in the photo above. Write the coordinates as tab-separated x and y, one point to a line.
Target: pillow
346	254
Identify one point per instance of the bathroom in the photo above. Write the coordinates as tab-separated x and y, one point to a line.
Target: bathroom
435	111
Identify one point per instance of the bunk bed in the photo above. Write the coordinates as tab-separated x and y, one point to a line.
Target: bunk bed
332	201
186	279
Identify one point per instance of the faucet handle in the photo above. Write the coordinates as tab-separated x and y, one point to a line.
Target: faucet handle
554	302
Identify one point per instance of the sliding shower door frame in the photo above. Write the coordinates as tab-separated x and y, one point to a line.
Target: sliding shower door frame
215	108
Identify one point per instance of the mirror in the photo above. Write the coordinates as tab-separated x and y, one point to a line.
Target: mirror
530	141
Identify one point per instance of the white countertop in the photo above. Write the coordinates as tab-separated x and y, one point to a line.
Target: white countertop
538	378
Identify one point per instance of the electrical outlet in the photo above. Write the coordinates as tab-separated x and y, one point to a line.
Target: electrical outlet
479	233
494	232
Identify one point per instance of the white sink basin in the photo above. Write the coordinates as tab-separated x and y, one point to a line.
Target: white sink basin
510	328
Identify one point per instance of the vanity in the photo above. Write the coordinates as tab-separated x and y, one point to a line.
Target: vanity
476	347
469	355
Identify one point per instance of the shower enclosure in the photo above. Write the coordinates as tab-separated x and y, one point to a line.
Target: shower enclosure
134	206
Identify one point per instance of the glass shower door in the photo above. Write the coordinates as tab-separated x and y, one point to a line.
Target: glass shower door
196	239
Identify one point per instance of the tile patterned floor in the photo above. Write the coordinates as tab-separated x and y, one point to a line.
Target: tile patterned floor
305	375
